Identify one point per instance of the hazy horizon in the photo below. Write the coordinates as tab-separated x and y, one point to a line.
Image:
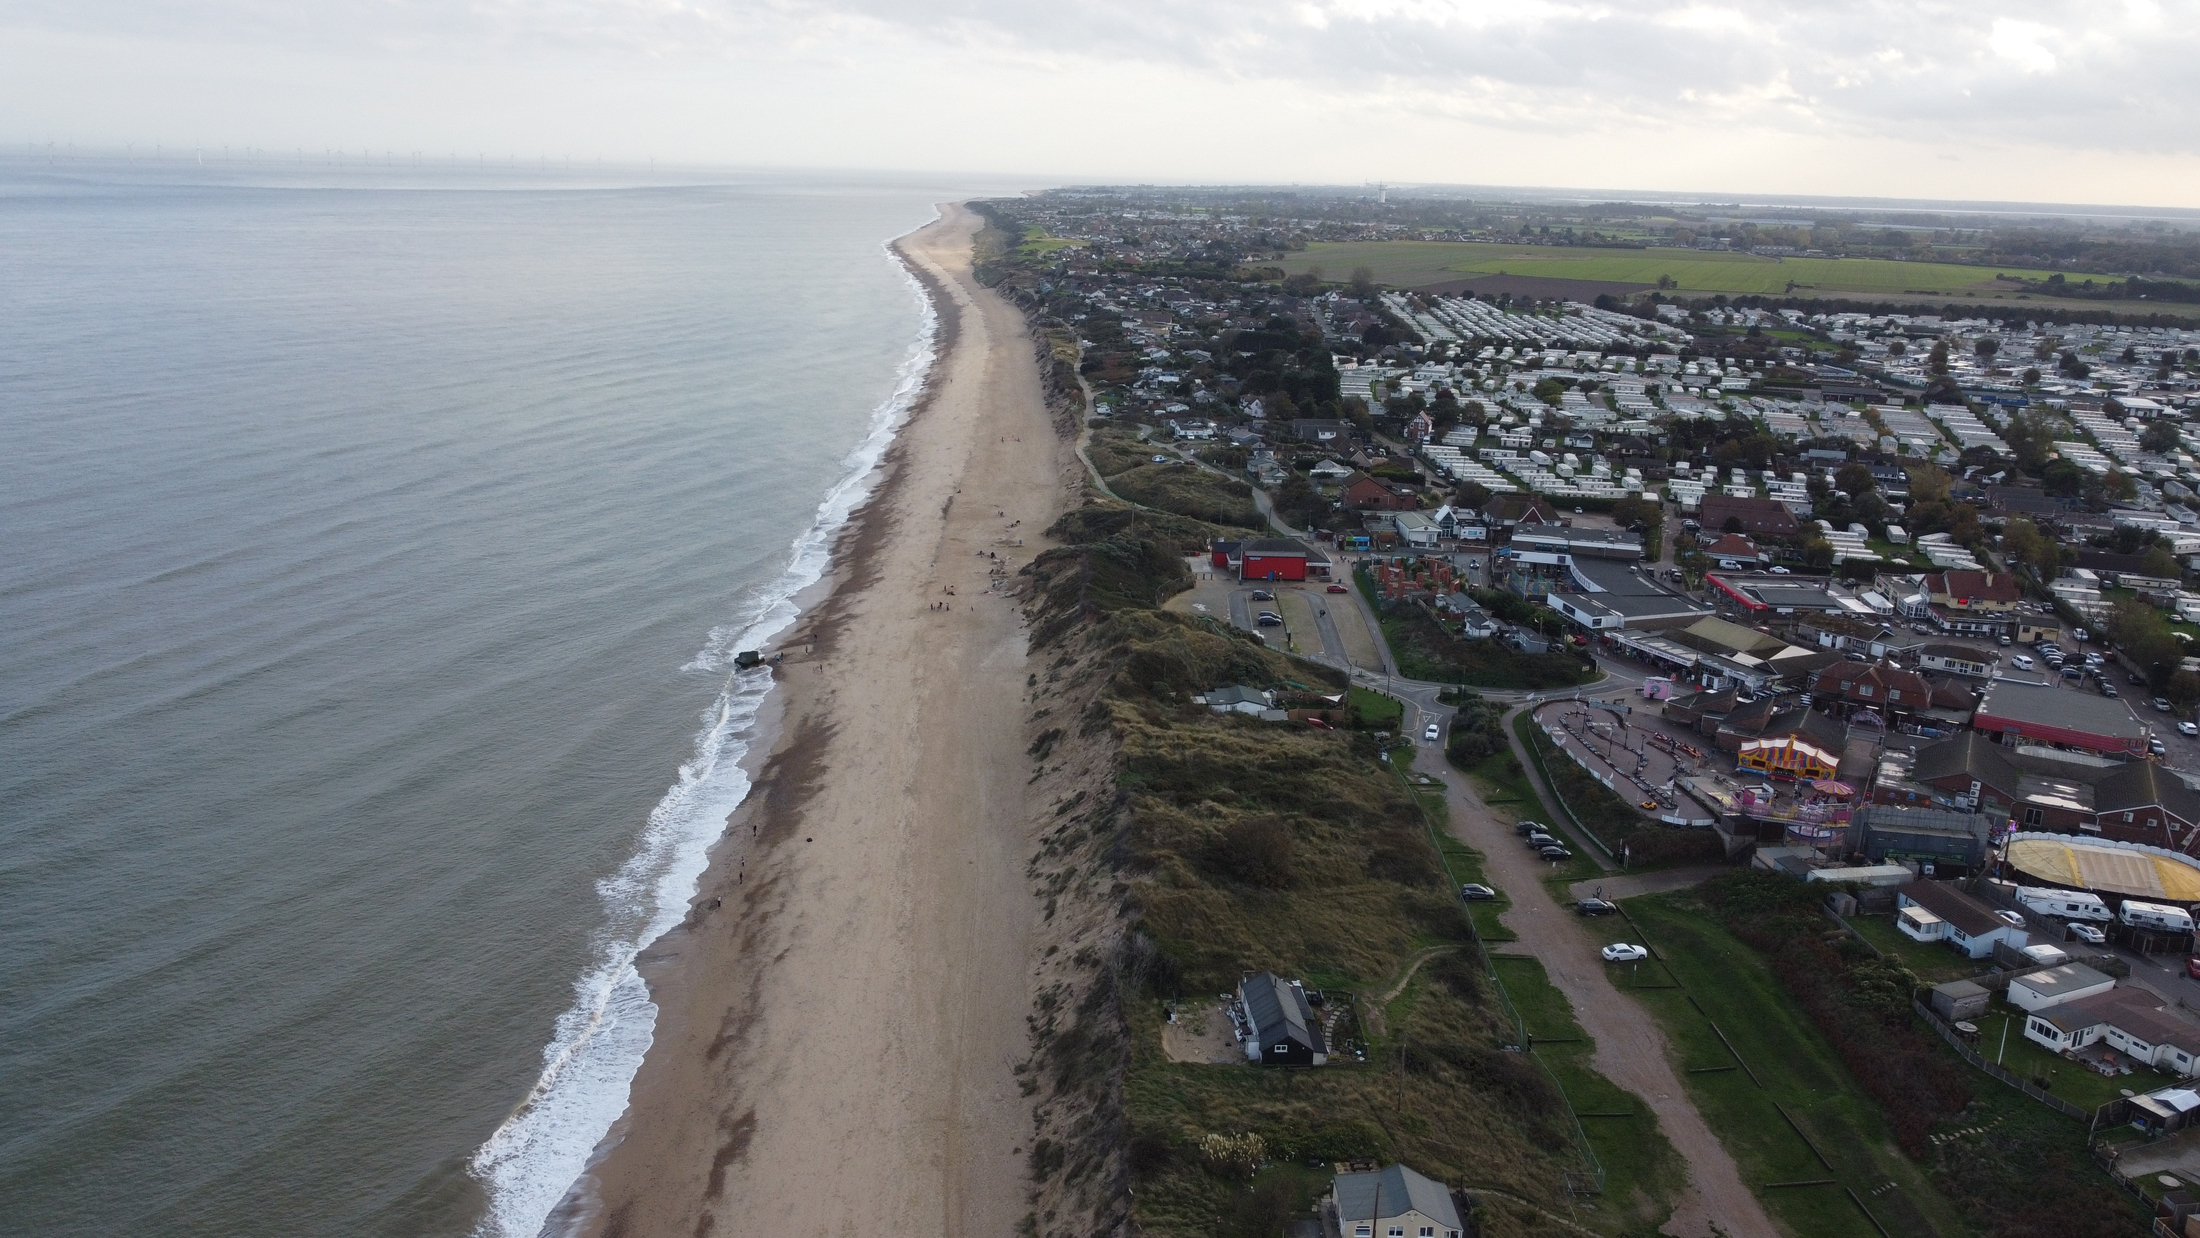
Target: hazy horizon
2037	102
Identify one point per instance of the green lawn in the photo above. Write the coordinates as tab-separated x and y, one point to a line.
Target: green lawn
1724	982
1932	964
1414	263
1378	711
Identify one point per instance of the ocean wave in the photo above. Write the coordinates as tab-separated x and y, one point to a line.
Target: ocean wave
534	1159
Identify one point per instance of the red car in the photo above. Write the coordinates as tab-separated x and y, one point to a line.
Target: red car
2192	967
1337	589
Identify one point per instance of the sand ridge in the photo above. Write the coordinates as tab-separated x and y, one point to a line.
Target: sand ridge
840	1019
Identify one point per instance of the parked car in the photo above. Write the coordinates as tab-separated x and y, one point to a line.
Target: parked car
1268	619
2188	728
1431	732
2005	638
2138	680
2156	747
2192	966
2071	672
1777	570
1555	852
1621	952
1262	595
2108	690
2011	918
2021	662
2161	704
1476	893
1336	589
2088	934
1595	907
1525	828
2079	635
1539	839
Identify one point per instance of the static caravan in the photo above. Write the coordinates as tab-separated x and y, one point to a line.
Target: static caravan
2065	904
2155	917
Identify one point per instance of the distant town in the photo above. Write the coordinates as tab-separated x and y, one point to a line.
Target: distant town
1870	617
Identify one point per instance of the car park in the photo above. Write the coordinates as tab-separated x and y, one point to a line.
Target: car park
1595	907
1622	952
1555	852
2161	704
1431	732
1473	893
2188	728
2088	934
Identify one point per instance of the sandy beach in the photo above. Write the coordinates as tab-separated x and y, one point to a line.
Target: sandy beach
842	1013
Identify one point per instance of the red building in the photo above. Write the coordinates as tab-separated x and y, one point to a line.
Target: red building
1272	558
1364	493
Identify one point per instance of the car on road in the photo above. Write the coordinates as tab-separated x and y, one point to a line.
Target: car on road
1473	893
1268	619
1555	852
2188	728
1431	732
1336	589
2021	662
2088	934
2161	704
1622	952
1595	907
1262	595
1777	570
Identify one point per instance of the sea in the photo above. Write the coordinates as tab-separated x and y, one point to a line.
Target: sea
375	541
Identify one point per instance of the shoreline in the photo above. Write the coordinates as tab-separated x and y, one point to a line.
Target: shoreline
511	1166
824	953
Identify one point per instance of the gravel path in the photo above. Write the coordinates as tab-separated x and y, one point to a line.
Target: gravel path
1630	1047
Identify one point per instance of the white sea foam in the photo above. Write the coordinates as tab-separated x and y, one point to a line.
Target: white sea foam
533	1160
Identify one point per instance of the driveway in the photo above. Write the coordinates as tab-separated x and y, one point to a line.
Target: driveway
1630	1047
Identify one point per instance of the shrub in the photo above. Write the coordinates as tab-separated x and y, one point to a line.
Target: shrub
1257	851
1232	1156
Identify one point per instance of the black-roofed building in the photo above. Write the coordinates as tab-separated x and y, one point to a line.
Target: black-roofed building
2055	715
2140	802
1611	594
1391	1202
1279	1025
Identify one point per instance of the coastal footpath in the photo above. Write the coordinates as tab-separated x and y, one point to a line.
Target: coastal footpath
842	1017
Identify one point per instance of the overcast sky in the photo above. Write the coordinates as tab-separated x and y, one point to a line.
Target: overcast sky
2012	100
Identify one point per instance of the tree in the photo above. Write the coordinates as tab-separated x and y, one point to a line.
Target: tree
1471	494
2031	376
2024	543
1986	347
2159	436
1854	478
1937	360
2144	636
1818	554
1363	281
2159	562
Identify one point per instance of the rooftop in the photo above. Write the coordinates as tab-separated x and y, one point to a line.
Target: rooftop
2053	707
1394	1190
1953	905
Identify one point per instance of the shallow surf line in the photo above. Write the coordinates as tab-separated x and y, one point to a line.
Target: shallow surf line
532	1160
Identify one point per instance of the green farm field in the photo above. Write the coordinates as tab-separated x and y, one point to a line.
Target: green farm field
1414	264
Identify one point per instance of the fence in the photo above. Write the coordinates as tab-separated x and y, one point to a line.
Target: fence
1489	967
1955	1041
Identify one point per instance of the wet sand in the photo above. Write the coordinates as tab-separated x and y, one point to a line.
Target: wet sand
840	1018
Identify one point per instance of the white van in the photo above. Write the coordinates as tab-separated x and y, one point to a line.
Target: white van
2155	917
2064	904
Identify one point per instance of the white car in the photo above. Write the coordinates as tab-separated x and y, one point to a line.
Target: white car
1777	570
2188	728
2022	662
1431	733
2088	934
1621	952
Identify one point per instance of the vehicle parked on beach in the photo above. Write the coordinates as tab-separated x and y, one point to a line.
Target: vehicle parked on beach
1622	952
